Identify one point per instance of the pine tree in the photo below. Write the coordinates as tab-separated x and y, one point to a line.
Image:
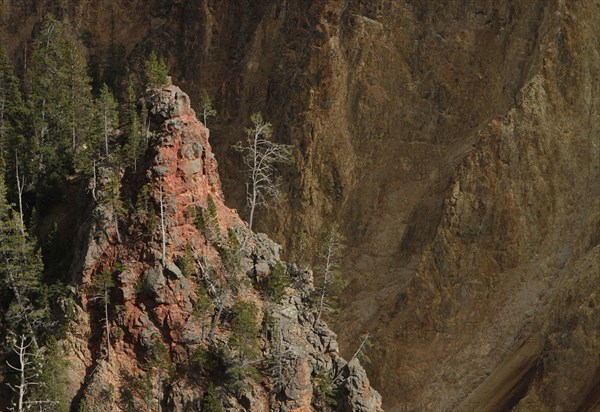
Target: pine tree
60	99
21	273
277	282
133	147
101	289
328	272
157	72
206	107
107	117
13	113
211	401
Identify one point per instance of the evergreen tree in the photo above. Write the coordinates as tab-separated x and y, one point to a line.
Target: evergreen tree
12	117
328	272
211	401
60	99
157	72
21	273
277	282
107	118
101	287
133	147
206	107
244	331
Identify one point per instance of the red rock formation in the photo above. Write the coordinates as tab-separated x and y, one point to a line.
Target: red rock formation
154	329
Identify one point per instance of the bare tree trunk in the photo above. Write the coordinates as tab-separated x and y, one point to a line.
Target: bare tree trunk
105	133
94	183
162	227
106	323
21	388
217	318
20	186
326	273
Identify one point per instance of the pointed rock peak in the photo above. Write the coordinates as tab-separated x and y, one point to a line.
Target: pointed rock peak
184	164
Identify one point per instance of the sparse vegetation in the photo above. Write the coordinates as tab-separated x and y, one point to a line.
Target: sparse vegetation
277	282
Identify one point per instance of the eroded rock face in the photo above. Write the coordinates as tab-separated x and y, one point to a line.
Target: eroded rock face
456	142
156	328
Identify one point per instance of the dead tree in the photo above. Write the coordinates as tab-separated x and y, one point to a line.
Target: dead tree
261	155
28	373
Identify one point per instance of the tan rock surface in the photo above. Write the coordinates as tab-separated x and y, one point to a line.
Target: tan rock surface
458	144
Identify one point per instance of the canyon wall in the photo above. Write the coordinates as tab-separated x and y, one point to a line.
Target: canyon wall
456	142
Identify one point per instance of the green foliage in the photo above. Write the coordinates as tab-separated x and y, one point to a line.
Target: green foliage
102	283
158	357
270	323
207	220
238	375
134	148
13	115
187	262
111	197
277	282
60	99
244	330
21	274
53	377
107	118
203	303
206	107
328	273
324	389
142	202
230	254
212	361
157	72
211	401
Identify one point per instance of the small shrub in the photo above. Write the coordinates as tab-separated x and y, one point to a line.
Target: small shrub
187	262
211	401
277	282
325	389
203	303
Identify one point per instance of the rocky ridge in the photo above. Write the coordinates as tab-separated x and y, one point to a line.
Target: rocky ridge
155	327
456	141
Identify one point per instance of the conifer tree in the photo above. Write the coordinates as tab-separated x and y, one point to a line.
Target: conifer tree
21	273
107	116
211	401
328	272
101	288
13	113
133	147
206	107
60	99
157	72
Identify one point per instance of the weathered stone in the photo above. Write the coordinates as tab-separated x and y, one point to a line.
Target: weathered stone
190	167
155	283
191	151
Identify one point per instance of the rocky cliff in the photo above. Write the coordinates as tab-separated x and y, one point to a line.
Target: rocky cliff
181	266
456	141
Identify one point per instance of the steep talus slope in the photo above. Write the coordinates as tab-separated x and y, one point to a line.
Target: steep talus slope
456	142
156	323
